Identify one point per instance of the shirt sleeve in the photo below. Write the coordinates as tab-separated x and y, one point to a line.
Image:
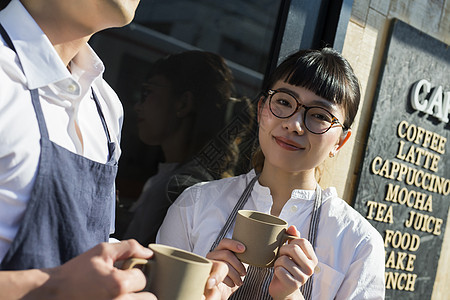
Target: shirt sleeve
365	277
176	227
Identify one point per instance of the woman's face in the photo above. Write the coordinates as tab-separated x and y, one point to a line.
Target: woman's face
156	113
286	143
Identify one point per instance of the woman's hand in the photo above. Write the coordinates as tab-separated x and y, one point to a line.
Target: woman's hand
293	267
224	252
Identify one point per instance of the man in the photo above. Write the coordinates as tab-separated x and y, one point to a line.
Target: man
59	146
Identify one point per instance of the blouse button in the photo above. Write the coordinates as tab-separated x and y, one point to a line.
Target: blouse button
294	208
317	269
71	88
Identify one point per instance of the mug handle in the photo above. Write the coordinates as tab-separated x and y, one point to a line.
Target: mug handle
132	262
288	237
145	267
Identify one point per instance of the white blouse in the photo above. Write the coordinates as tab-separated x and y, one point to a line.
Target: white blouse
350	250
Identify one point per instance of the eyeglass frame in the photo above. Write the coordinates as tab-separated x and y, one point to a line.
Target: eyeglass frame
334	120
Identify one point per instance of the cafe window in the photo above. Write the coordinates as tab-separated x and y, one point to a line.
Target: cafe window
239	31
251	36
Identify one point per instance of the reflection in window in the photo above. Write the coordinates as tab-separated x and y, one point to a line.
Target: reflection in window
239	31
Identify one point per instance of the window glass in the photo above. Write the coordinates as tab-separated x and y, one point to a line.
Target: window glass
238	31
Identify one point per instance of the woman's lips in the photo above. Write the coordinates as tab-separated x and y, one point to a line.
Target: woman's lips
287	144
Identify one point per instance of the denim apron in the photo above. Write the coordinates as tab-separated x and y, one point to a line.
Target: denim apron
256	282
70	207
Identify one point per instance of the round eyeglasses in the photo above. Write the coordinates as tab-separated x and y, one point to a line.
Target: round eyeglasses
316	119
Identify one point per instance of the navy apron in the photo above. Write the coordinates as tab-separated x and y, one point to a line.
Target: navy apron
70	207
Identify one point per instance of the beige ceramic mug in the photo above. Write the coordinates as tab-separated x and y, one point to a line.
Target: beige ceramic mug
262	234
173	274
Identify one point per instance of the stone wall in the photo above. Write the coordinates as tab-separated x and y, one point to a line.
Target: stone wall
364	47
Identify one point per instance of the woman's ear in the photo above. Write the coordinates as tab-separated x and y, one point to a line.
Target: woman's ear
184	104
344	138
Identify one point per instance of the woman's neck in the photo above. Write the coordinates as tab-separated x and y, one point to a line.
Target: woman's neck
177	146
282	183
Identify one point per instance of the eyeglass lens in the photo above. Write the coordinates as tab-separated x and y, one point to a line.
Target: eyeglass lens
316	119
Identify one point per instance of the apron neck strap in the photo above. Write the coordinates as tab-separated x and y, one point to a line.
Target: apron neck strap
6	37
306	289
239	205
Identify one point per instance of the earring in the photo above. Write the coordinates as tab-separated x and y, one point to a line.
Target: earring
331	155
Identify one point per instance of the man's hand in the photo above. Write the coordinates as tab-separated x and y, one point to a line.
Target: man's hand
219	272
92	275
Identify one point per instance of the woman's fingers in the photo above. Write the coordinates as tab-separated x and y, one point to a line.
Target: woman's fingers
232	245
292	230
228	257
301	252
225	252
290	281
287	271
294	266
235	267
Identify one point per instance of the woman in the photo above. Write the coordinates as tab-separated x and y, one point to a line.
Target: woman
304	117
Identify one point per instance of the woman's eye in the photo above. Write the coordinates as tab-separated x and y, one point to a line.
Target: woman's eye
321	117
145	92
283	102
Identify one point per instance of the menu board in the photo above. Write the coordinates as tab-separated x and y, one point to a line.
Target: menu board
404	181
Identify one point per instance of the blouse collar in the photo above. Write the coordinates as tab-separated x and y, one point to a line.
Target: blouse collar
263	192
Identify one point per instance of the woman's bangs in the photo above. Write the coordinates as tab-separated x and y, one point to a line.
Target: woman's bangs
321	82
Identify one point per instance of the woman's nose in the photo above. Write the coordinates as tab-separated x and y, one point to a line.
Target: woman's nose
295	123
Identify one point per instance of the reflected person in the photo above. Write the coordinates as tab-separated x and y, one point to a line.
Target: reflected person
184	105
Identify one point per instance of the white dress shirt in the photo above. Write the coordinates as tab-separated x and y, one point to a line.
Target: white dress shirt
66	100
350	250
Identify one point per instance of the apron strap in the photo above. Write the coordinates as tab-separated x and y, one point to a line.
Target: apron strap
102	117
111	145
39	114
37	105
6	38
34	93
239	205
306	289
